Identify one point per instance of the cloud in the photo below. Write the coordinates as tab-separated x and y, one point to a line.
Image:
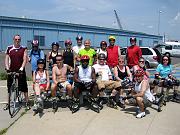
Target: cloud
177	17
150	27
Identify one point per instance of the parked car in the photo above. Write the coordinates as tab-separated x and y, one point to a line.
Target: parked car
151	55
169	49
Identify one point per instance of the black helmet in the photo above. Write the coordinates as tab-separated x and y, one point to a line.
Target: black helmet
55	43
40	61
79	37
103	43
132	39
102	56
35	43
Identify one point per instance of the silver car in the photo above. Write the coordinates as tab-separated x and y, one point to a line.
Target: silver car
151	55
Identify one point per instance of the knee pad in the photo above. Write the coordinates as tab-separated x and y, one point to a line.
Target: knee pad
170	83
156	82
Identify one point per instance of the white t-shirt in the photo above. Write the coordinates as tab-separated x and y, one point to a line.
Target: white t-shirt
103	70
101	51
77	48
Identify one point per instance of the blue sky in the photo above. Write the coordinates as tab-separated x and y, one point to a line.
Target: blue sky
135	15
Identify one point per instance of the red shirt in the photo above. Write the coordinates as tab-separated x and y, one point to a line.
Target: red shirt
133	55
112	56
16	57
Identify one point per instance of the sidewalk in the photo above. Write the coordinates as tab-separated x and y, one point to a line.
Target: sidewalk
107	122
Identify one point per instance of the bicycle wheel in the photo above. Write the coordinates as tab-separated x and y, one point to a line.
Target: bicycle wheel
20	96
12	100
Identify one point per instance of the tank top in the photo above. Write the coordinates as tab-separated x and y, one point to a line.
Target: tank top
147	94
53	57
121	74
41	79
85	74
68	57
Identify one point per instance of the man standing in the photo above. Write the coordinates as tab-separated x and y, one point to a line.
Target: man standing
88	51
15	60
133	53
113	53
77	48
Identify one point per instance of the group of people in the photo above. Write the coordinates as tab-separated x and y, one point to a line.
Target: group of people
101	69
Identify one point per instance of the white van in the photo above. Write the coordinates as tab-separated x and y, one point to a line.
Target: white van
170	49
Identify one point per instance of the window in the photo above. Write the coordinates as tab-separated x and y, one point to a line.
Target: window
61	45
140	42
41	40
168	47
29	44
146	51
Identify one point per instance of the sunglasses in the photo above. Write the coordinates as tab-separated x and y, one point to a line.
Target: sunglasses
141	61
59	60
121	61
165	59
17	39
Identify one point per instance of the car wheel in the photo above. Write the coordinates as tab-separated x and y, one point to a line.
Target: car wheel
167	54
147	64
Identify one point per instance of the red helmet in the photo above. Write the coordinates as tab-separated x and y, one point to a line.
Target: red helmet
103	43
85	57
35	43
132	39
139	72
68	42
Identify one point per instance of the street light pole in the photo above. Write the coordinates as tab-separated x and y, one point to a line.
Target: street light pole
159	14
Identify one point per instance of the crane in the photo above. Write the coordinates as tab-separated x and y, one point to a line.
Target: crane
118	20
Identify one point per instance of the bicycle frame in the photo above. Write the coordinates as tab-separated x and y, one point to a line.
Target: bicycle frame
14	94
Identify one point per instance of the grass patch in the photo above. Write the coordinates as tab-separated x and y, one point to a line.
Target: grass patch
3	131
3	75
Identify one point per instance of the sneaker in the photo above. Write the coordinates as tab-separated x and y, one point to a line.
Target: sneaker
35	107
140	115
27	106
6	107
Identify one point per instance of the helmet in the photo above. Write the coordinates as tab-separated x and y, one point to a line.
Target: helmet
40	61
85	57
79	37
55	43
132	39
68	42
139	72
102	56
103	43
112	38
35	43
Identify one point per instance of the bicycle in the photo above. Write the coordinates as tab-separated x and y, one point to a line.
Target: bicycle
14	95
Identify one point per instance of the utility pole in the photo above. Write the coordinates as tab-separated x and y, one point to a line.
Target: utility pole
118	20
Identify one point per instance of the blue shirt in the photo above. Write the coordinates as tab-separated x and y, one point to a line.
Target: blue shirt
34	57
164	71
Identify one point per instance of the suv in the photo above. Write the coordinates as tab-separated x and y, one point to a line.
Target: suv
151	55
169	49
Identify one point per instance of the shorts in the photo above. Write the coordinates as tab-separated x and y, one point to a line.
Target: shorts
22	83
43	85
147	103
108	84
64	84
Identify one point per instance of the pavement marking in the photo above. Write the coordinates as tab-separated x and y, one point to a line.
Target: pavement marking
3	102
6	86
